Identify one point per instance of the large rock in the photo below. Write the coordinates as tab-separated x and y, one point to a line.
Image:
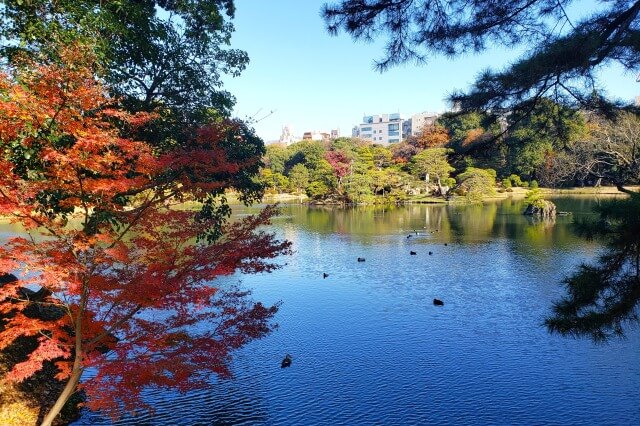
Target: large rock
546	209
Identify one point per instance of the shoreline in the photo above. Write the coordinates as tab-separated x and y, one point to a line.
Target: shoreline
517	193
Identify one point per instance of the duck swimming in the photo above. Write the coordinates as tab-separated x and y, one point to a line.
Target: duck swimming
286	362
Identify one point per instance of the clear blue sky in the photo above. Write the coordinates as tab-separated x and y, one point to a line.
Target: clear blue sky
313	81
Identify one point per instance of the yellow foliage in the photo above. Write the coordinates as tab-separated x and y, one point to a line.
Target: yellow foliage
14	409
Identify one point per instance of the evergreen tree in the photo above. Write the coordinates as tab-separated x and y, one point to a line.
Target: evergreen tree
561	61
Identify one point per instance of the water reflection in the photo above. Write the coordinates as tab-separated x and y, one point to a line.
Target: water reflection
464	224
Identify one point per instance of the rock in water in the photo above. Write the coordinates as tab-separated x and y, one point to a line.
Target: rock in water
544	208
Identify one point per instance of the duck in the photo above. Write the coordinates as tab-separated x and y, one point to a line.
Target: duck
412	253
409	236
286	362
436	302
325	275
430	253
361	259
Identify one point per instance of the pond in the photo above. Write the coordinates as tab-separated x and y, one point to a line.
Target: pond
369	346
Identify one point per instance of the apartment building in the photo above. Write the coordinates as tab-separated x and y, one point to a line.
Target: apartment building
382	129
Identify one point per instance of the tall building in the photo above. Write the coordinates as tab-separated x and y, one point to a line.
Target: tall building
382	129
287	137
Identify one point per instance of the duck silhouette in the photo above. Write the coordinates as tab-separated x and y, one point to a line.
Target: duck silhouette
436	302
430	253
286	362
325	275
361	259
412	253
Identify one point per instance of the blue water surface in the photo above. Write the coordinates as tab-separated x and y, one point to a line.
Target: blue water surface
370	348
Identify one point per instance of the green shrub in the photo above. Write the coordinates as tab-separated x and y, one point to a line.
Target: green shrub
515	179
534	198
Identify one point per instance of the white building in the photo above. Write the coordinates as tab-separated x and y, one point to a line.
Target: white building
315	135
382	129
287	136
418	121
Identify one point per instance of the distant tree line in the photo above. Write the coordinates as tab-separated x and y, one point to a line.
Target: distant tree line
465	154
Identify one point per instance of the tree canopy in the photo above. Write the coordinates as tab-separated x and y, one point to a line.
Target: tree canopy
562	55
124	271
112	114
156	55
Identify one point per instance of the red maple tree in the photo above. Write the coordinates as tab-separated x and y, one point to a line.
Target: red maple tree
126	271
340	163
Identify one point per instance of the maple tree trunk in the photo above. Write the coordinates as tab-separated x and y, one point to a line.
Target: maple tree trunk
76	370
68	390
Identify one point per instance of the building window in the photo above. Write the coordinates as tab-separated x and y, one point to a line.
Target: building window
394	126
394	140
366	129
394	133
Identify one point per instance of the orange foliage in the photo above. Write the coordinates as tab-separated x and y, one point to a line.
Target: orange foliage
139	283
473	135
434	136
